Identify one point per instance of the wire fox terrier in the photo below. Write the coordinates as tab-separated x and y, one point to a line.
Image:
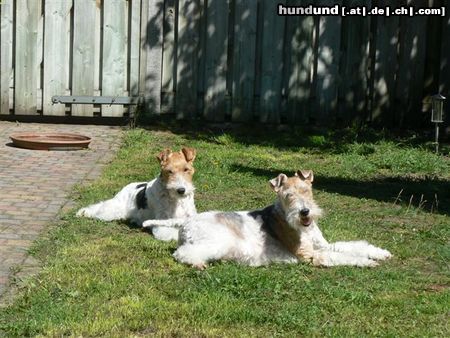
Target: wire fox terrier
170	195
285	231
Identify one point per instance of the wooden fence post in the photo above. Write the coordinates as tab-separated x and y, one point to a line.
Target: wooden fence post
28	13
6	50
83	73
153	48
56	54
216	59
187	57
244	59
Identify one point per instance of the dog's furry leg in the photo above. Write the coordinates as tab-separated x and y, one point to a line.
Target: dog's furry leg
195	255
325	256
164	229
105	211
171	222
360	248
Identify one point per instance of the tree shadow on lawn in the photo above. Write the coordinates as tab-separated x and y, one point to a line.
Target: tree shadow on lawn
291	137
419	193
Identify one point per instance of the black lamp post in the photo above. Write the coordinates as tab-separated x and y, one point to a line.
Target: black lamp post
437	103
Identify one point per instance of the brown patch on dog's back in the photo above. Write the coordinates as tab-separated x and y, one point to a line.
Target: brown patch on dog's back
233	221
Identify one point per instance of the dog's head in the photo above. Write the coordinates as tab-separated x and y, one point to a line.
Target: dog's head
177	171
295	197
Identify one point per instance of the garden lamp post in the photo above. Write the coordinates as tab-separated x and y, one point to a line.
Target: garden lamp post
437	105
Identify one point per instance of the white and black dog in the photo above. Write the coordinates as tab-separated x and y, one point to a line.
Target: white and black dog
285	231
170	195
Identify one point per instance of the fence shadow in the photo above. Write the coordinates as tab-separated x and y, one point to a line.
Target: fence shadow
419	193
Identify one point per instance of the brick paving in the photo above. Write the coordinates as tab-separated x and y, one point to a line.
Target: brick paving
35	185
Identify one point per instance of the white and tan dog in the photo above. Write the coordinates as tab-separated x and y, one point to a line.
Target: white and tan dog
170	195
285	231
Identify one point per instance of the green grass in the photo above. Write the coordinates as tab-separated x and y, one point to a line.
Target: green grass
112	280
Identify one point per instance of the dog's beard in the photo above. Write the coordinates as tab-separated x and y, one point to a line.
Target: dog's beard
293	218
172	188
297	221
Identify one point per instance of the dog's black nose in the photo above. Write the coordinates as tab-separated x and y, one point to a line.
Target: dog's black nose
181	191
304	212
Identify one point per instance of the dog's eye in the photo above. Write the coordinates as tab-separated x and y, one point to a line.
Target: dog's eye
186	169
170	172
289	195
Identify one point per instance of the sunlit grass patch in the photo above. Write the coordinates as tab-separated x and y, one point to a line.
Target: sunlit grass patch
113	280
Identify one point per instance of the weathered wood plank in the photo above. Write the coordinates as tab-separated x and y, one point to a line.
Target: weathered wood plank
135	45
354	62
328	50
114	53
271	62
187	55
169	56
444	78
28	13
83	73
216	59
6	42
300	45
201	58
98	29
244	59
56	58
409	88
385	70
151	55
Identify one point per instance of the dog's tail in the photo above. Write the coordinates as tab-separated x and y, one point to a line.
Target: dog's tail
170	223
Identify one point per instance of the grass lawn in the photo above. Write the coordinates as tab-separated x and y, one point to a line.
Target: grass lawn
113	280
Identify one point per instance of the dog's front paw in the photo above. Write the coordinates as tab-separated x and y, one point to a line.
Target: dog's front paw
81	213
165	234
384	254
380	254
148	224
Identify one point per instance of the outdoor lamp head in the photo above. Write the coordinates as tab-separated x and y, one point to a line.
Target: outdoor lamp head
437	102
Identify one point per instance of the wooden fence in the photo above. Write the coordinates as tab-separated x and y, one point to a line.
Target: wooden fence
224	60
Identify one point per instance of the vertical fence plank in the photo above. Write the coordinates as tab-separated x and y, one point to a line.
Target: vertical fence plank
352	93
169	54
216	59
328	47
187	54
98	38
385	70
444	78
271	62
6	41
411	73
28	13
56	59
83	78
300	45
114	50
244	59
153	42
135	45
143	50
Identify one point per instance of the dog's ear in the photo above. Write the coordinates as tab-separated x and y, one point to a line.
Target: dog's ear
305	175
163	156
277	182
189	154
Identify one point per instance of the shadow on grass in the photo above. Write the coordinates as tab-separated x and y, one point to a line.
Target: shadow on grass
290	137
423	193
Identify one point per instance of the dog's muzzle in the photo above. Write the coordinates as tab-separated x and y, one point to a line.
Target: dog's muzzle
304	212
181	191
304	217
